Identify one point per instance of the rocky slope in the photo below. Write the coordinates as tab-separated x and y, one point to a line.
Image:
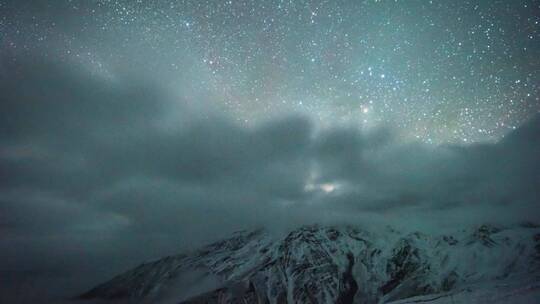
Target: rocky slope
339	265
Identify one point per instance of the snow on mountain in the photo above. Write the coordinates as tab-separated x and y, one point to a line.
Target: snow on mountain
316	264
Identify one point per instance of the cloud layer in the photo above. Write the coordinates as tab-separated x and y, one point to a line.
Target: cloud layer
98	174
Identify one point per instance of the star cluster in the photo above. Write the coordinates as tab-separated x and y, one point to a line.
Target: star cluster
438	71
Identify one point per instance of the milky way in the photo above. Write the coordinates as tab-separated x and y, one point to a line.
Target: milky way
437	71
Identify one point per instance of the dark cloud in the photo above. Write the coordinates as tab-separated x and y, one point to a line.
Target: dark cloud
96	175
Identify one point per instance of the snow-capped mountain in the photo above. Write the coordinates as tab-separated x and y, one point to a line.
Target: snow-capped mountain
346	264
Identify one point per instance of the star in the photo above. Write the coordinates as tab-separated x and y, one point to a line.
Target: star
419	72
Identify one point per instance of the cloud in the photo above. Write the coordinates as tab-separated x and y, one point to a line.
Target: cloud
97	175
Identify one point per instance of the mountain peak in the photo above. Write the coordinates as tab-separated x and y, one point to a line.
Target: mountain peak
330	264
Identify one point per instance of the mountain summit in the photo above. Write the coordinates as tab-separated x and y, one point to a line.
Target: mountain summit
330	264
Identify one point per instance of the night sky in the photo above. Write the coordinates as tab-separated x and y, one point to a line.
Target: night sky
439	71
131	130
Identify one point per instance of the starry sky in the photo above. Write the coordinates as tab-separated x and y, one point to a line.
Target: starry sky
174	123
437	71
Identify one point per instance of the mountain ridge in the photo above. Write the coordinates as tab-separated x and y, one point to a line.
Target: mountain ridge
332	264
